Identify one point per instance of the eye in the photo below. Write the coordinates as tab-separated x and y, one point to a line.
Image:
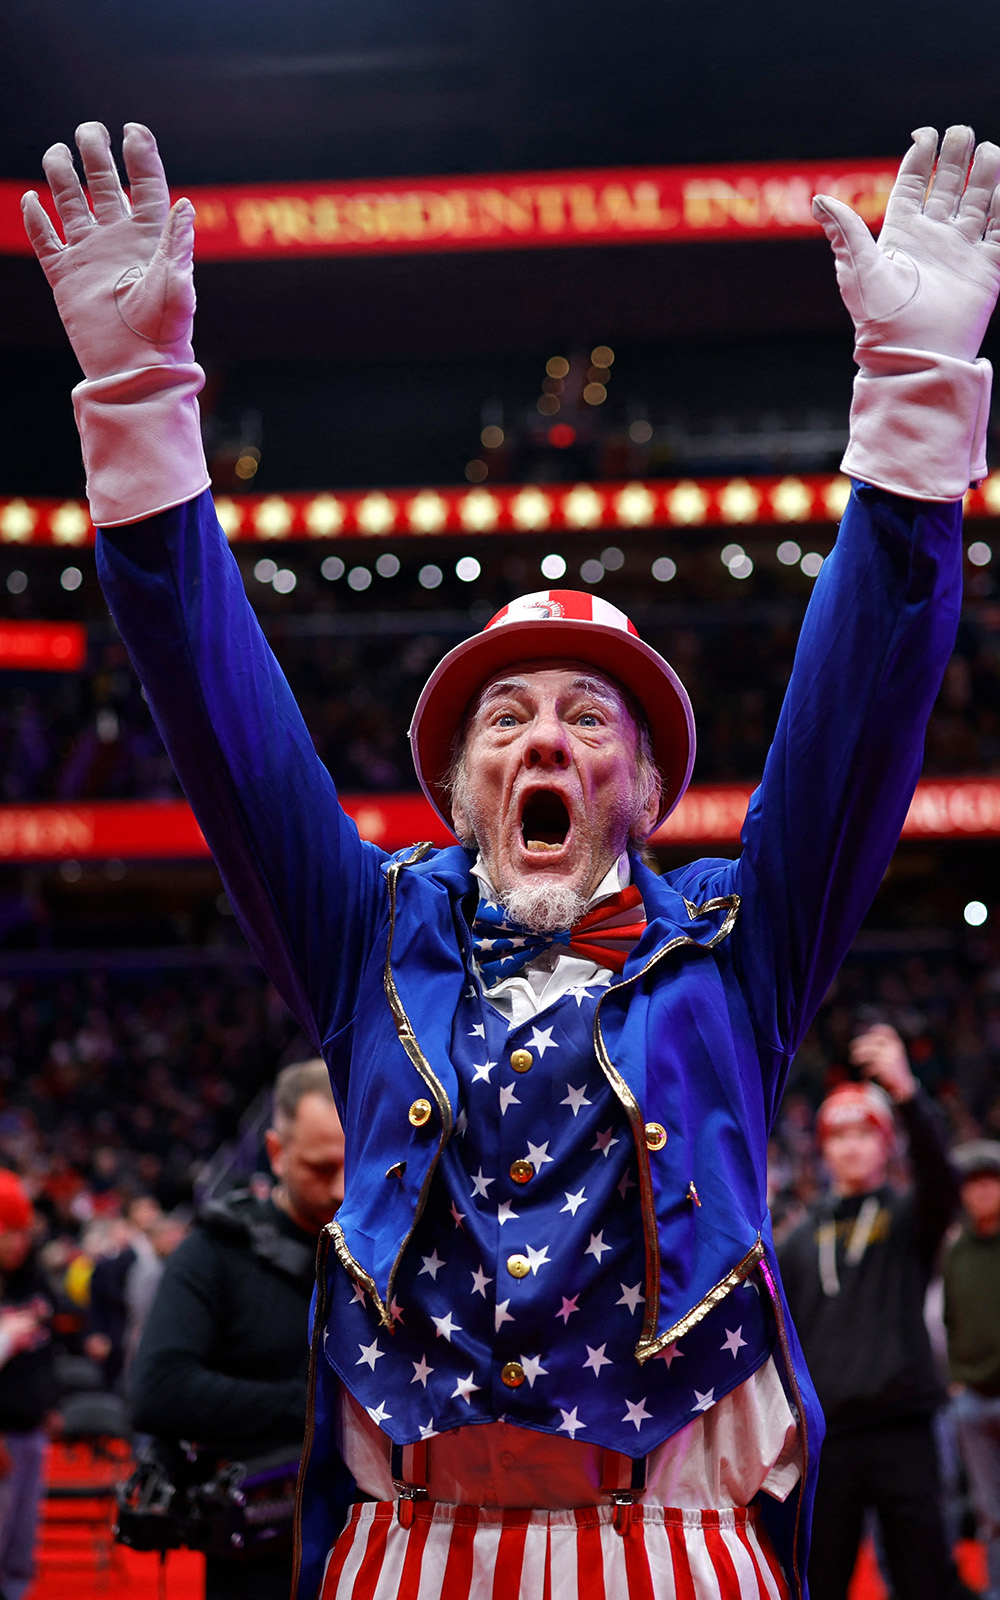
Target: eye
589	719
505	719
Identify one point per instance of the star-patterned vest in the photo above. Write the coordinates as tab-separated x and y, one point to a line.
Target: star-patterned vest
520	1293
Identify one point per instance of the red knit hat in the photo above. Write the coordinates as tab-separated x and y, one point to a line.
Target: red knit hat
15	1207
851	1103
548	626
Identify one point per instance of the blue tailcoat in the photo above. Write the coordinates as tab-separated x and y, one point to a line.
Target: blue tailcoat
370	952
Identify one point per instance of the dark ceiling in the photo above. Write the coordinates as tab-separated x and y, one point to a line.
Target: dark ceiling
249	90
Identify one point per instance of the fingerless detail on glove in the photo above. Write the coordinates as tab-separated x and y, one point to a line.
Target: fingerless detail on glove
918	423
141	437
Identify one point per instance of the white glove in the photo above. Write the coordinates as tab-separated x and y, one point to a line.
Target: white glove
921	299
123	287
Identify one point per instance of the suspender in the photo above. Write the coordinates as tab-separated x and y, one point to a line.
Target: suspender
622	1479
408	1465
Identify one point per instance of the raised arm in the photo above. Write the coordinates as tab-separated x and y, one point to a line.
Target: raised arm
881	622
306	890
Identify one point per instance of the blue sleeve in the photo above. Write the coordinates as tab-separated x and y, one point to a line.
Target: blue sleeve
822	826
305	888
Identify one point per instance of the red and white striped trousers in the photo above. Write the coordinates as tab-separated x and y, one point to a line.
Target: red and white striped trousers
456	1552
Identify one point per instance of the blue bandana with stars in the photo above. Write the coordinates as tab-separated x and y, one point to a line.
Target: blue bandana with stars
529	1262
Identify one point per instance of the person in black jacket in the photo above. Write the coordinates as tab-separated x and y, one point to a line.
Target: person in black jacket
856	1273
27	1386
223	1359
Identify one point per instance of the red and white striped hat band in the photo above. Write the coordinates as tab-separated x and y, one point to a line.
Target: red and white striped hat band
853	1103
554	624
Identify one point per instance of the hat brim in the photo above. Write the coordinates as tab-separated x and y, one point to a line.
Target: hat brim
639	668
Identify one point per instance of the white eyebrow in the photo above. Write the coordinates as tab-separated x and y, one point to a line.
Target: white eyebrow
597	688
497	690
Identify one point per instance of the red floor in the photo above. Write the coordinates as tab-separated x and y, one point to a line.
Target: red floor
78	1561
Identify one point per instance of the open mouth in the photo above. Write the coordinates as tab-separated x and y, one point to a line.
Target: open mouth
544	821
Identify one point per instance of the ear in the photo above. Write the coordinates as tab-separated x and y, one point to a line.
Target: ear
275	1152
645	822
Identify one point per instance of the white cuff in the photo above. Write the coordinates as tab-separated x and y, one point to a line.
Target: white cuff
918	423
141	437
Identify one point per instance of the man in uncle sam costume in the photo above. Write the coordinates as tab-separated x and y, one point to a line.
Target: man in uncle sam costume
550	1339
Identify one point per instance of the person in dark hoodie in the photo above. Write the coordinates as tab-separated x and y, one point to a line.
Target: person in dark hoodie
856	1272
224	1354
27	1386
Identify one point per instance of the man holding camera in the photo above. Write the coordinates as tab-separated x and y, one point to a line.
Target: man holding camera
223	1359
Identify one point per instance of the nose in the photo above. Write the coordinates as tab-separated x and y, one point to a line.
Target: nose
546	745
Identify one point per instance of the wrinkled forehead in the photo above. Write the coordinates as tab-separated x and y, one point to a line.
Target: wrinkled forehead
563	677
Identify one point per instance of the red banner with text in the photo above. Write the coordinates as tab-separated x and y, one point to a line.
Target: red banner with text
513	211
709	815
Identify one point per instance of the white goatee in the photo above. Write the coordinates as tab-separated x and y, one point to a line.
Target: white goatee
543	907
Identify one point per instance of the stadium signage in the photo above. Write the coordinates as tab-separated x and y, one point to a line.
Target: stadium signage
42	646
709	814
514	211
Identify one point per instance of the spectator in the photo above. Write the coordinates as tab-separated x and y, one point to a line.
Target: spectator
856	1273
27	1386
972	1318
223	1360
130	1250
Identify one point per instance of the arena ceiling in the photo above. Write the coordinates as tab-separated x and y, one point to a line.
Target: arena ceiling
250	90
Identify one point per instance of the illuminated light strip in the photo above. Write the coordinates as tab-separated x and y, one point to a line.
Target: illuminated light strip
685	503
43	646
709	814
513	210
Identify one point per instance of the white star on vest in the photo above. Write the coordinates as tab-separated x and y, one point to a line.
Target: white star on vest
446	1327
479	1282
597	1359
370	1353
431	1264
631	1297
533	1369
570	1422
575	1098
637	1412
537	1258
507	1099
604	1142
501	1314
538	1154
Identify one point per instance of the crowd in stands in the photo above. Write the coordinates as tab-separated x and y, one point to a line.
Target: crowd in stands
84	736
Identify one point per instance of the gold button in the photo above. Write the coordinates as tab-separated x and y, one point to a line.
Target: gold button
420	1112
518	1266
656	1135
521	1060
522	1171
512	1374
